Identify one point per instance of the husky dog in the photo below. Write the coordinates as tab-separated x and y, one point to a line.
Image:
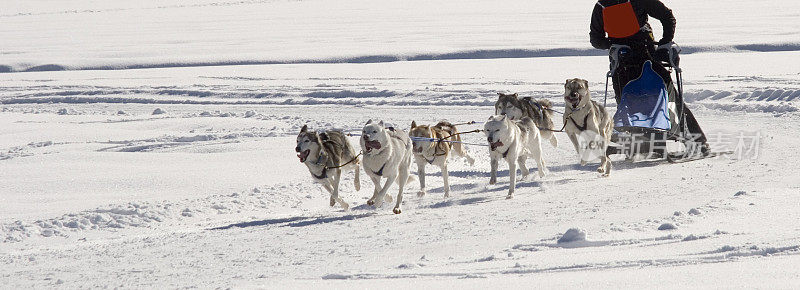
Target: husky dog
387	153
513	141
436	152
582	114
326	154
540	111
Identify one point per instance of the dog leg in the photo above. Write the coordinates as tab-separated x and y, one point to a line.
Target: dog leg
421	173
382	194
357	179
328	188
335	196
522	167
376	180
512	173
553	140
493	174
537	156
459	149
574	140
605	166
445	176
402	183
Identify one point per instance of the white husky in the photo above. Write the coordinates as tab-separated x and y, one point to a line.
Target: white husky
513	141
387	153
325	153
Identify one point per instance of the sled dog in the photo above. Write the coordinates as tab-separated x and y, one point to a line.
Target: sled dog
538	110
436	152
326	155
583	115
387	154
513	141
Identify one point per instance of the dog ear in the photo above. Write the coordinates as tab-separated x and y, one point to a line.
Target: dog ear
515	95
586	83
304	129
381	123
499	94
323	136
413	124
369	122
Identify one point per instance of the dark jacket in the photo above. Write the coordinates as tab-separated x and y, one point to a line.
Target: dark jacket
643	9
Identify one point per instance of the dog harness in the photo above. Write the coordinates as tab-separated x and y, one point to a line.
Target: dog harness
585	123
506	154
619	20
380	172
321	176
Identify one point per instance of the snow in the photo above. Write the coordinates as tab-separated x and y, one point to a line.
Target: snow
151	145
572	235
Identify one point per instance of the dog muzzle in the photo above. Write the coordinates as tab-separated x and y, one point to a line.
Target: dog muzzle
303	155
494	145
369	145
574	98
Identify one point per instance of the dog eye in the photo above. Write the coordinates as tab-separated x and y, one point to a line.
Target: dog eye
306	141
374	131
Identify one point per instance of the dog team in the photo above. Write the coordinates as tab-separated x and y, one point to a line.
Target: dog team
514	134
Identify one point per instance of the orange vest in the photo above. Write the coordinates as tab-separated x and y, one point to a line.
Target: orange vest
620	20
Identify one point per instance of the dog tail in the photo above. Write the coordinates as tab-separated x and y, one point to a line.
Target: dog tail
447	127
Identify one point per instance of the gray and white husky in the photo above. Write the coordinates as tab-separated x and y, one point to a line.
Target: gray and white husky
513	141
326	155
538	110
436	152
587	122
387	154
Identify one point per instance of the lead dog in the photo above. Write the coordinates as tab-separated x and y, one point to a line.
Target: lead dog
513	141
387	153
540	111
583	115
436	152
326	154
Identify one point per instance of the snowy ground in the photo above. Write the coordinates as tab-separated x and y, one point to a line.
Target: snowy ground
97	191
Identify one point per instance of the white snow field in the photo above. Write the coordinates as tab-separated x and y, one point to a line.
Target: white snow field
150	144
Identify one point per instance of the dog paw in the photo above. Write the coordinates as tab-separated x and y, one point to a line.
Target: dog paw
345	206
492	181
371	202
446	194
333	201
421	193
583	163
510	196
397	210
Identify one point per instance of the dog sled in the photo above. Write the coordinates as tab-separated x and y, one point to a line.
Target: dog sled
648	118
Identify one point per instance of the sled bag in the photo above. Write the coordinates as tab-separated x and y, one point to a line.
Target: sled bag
620	21
644	102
